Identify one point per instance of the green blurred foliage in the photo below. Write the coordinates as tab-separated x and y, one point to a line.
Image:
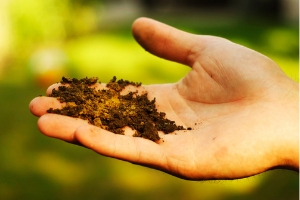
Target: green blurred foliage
50	38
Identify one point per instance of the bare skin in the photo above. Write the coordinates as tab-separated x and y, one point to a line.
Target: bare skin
243	110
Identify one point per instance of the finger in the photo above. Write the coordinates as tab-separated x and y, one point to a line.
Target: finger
52	87
60	127
133	149
39	105
167	42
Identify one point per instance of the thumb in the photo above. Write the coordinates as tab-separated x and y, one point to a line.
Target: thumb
167	42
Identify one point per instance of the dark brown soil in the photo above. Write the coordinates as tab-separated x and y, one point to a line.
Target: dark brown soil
110	110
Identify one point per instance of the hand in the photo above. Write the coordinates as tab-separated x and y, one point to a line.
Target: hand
243	110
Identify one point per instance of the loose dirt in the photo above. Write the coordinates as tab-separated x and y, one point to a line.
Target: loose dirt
110	110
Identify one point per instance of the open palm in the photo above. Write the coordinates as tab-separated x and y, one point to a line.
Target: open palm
242	109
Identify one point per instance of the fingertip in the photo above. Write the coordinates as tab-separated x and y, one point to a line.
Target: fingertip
32	106
140	29
39	105
36	107
51	87
140	23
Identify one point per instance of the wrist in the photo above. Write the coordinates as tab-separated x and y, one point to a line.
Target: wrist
290	133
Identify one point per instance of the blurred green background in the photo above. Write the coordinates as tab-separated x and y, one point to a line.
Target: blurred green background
41	41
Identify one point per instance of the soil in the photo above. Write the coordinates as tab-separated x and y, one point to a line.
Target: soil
110	110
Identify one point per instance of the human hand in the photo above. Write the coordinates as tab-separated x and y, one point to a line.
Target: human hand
242	108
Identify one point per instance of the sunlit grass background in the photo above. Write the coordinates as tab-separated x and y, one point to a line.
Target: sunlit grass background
44	40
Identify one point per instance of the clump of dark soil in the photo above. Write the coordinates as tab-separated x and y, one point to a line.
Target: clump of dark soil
110	110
